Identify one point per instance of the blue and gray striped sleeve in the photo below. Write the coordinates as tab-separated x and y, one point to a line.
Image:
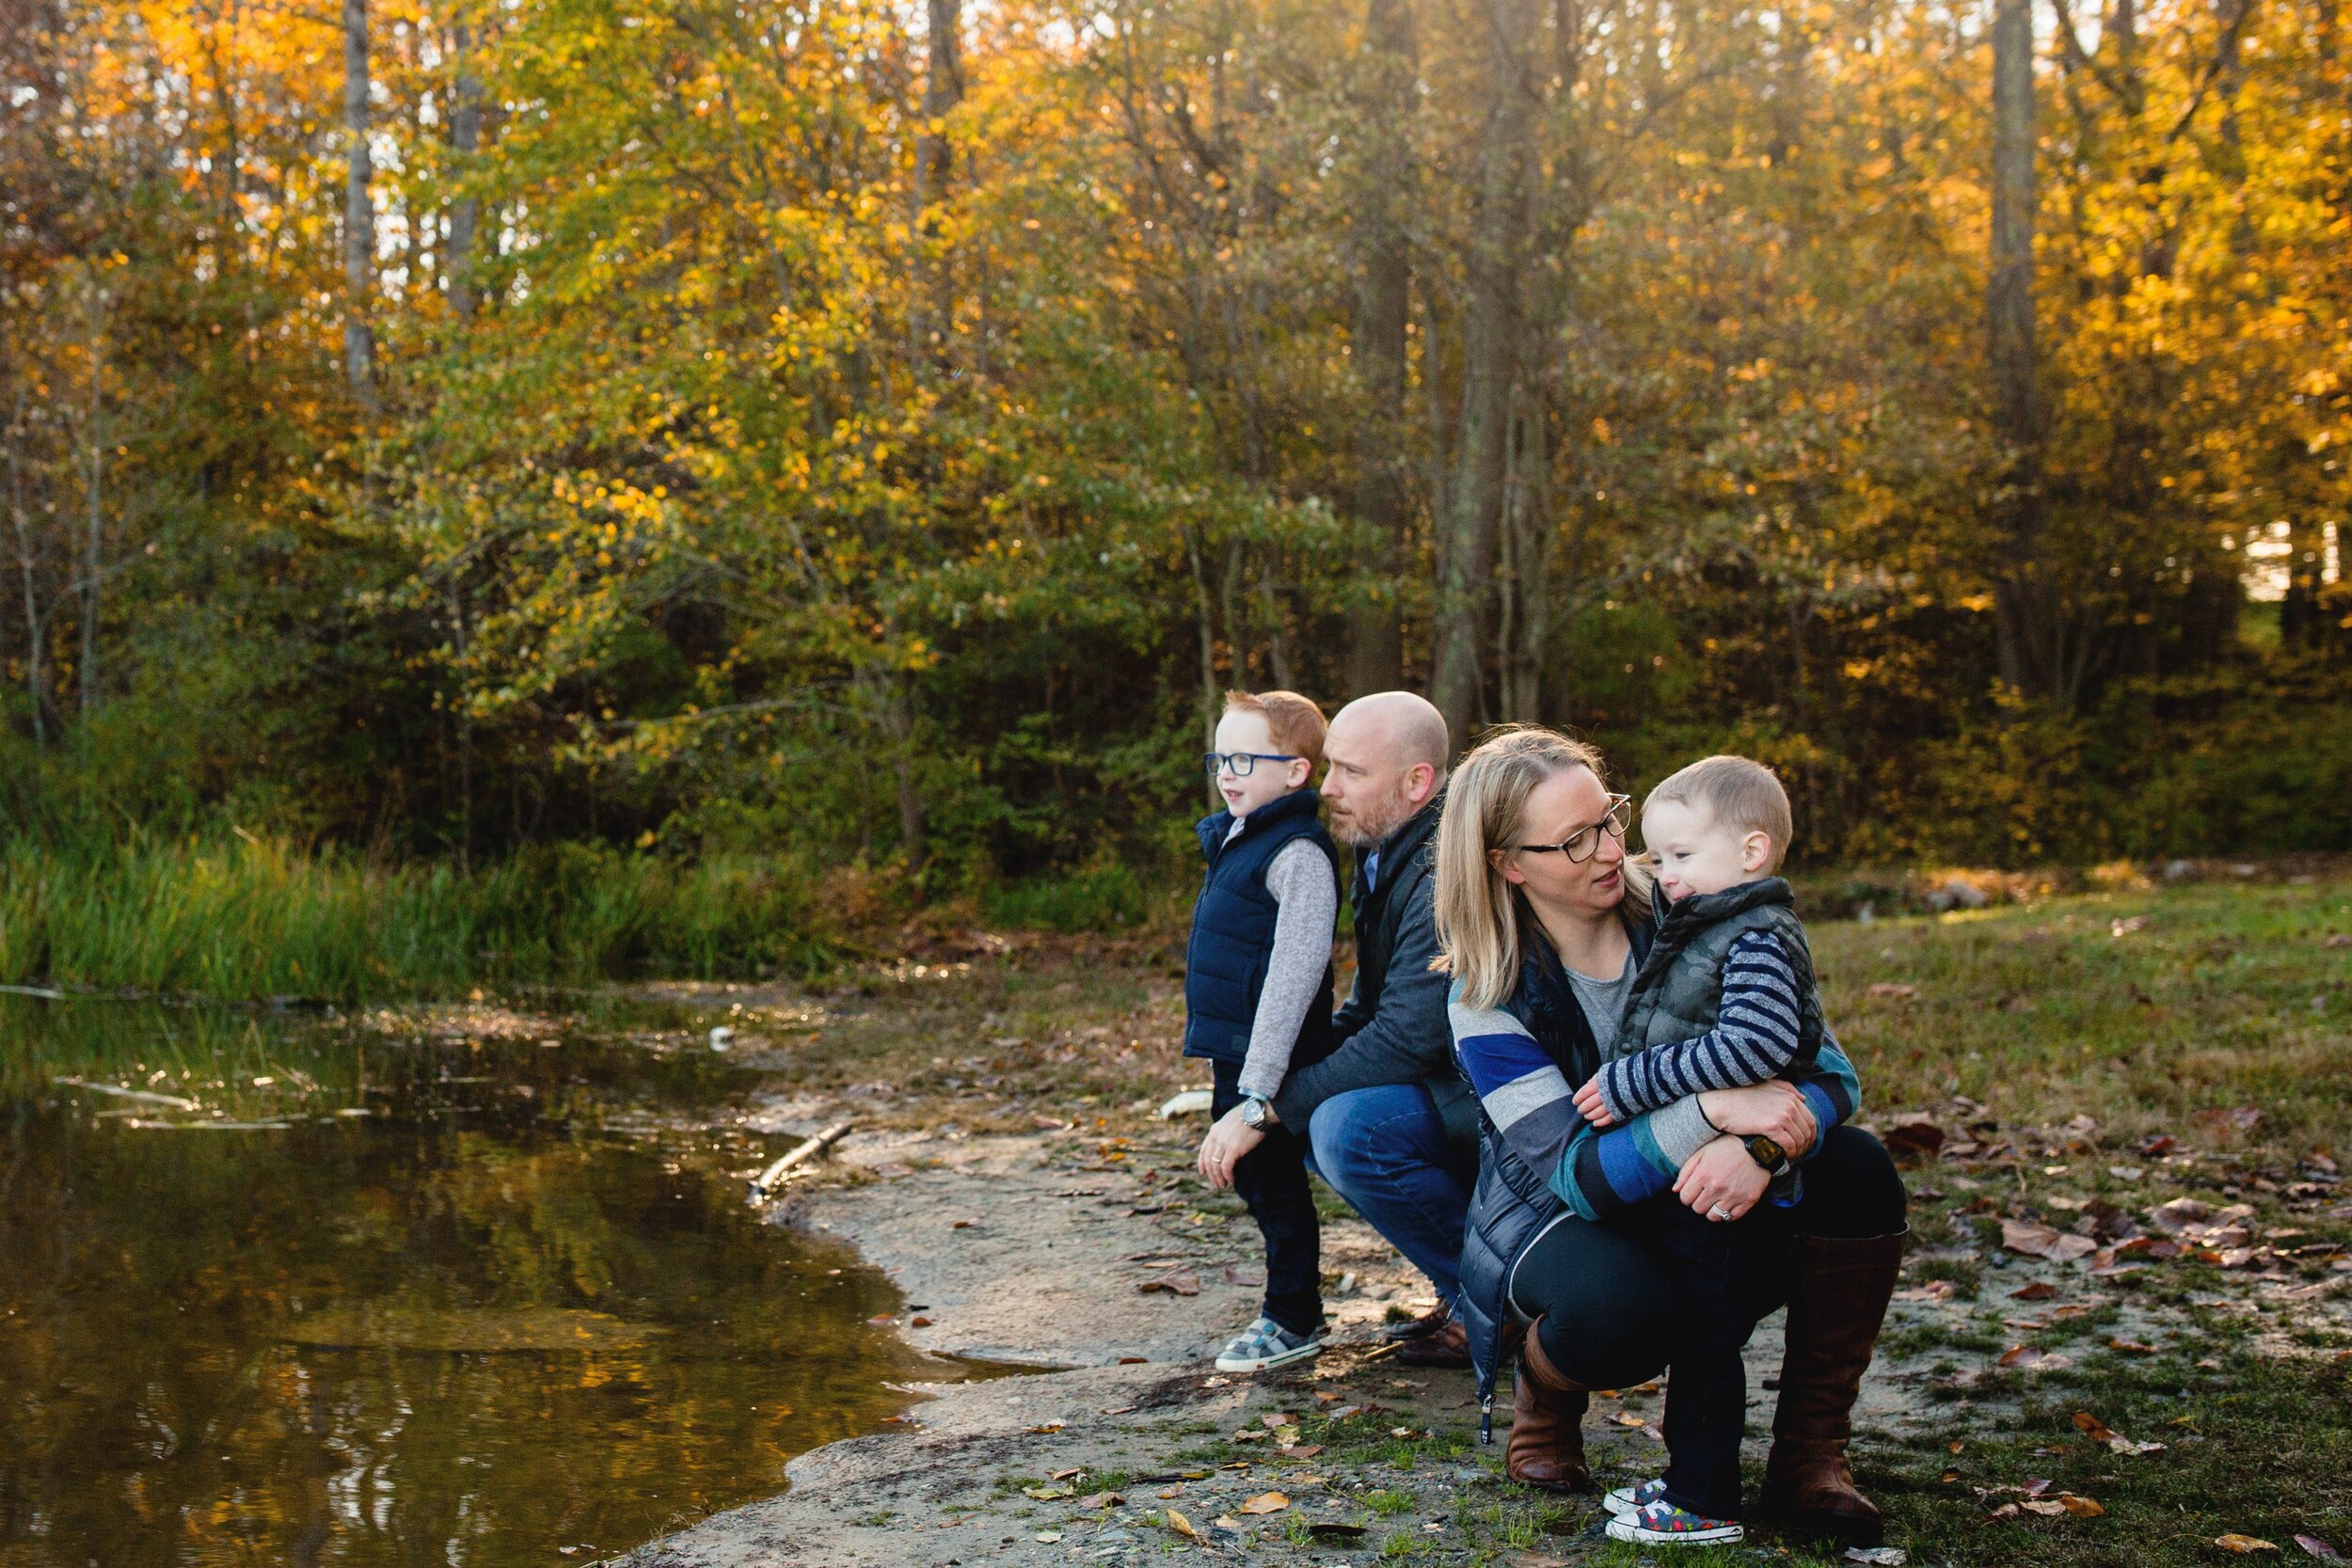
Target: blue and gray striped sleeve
1527	1098
1756	1038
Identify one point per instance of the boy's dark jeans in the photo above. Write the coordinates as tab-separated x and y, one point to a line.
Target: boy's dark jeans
1717	1277
1272	1180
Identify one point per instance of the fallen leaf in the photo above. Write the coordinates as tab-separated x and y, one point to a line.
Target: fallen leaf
1300	1451
1171	1492
919	1323
2049	1508
1893	990
1102	1500
1065	1475
2314	1546
2132	1347
1182	1525
2093	1428
1280	1418
1050	1426
1048	1536
1266	1503
2245	1545
1920	1138
1234	1277
1047	1494
1627	1418
2081	1508
1884	1557
2039	1241
1181	1283
2037	1291
2006	1511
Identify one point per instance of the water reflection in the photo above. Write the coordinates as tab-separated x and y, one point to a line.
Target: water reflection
470	1327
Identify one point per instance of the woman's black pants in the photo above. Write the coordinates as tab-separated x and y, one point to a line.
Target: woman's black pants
1660	1286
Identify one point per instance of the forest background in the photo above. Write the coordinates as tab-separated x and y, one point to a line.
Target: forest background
501	488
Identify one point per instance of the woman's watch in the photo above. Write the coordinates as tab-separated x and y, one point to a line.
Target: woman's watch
1765	1152
1253	1114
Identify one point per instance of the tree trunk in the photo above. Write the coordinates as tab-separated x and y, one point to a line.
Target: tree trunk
465	140
1525	587
2020	612
359	212
931	309
94	497
1491	335
1386	107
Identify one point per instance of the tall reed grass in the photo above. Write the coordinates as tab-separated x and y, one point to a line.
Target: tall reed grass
235	916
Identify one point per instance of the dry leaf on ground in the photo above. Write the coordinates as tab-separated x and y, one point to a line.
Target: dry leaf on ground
1182	1525
1266	1503
2245	1545
2313	1545
1179	1284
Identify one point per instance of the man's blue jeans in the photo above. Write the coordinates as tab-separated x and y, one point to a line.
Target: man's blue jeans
1385	1150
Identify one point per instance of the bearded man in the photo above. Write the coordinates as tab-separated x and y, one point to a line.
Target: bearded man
1391	1126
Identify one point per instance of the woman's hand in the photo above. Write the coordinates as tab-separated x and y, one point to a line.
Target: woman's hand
1773	1108
1227	1142
1721	1180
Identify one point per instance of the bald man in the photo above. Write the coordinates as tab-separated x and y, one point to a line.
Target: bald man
1390	1124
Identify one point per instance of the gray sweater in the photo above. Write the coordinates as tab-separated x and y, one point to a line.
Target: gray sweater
1307	896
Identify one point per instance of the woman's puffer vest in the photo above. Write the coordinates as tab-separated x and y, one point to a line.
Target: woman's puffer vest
1513	1203
1232	931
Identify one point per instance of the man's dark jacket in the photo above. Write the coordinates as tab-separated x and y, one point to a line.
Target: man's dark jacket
1391	1029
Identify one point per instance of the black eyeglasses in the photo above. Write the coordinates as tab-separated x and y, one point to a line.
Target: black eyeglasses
1584	843
1241	762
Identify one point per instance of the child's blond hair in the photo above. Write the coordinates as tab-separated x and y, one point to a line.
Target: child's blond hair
1738	793
1295	721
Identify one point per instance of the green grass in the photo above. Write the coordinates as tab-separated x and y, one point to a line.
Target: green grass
234	916
2228	997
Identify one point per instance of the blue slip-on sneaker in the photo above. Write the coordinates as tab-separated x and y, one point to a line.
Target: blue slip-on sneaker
1626	1501
1662	1524
1266	1343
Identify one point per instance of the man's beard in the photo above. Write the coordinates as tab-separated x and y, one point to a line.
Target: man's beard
1367	825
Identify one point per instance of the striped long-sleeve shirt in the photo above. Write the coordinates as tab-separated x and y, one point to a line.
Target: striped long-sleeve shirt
1598	1174
1755	1038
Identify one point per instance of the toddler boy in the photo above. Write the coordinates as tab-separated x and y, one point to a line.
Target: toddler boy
1258	997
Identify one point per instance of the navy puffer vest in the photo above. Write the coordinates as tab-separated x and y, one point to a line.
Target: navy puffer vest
1232	931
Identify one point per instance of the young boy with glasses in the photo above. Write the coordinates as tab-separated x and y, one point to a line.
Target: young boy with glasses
1257	996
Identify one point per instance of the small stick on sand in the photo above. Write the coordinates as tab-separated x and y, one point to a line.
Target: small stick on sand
767	1180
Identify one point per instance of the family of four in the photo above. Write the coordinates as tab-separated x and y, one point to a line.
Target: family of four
1591	1095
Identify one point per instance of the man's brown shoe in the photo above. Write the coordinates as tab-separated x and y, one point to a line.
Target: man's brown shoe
1547	1445
1446	1345
1838	1296
1415	1328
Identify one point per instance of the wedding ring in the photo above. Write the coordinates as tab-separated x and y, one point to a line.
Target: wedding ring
1719	1212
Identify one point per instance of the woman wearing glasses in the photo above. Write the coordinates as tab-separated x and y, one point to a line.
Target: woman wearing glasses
1545	921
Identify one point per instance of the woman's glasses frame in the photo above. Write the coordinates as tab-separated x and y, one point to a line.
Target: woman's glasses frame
1583	844
1242	762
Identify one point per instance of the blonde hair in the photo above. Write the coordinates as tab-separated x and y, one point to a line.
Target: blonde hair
1294	722
1480	913
1738	793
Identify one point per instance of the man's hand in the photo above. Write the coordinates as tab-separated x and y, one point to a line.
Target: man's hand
1589	1104
1773	1108
1224	1146
1721	1181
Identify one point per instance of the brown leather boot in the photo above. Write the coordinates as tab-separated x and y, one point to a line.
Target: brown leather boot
1547	1447
1838	1296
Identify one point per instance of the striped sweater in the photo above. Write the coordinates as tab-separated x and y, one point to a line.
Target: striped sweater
1528	1098
1756	1038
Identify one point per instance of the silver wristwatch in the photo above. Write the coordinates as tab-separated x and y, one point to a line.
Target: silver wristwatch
1253	1114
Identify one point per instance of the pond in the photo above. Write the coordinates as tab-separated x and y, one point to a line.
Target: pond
468	1290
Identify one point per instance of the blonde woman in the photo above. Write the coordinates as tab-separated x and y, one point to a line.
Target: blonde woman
1621	1252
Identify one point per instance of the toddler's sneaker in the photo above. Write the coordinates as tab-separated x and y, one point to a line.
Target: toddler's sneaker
1266	1343
1626	1501
1660	1524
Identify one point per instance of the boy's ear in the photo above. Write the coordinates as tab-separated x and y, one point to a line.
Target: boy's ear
1756	851
1300	771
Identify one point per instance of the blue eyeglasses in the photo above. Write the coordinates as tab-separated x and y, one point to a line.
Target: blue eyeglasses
1242	762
